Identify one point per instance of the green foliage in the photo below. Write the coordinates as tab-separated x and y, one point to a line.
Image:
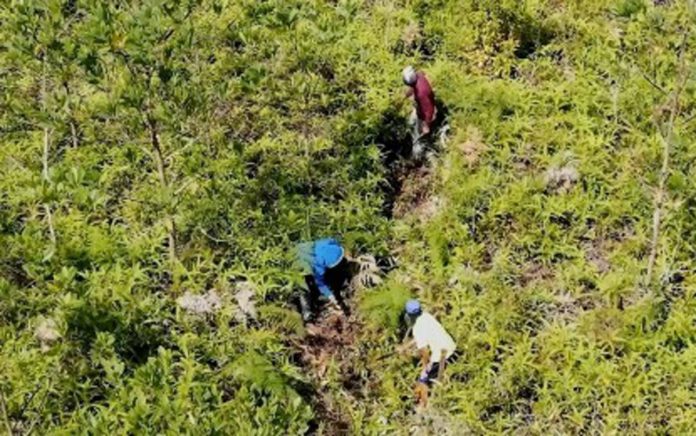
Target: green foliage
155	148
286	320
385	308
256	371
627	8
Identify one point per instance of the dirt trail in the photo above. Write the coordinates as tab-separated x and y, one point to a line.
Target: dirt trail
330	340
331	336
333	340
414	190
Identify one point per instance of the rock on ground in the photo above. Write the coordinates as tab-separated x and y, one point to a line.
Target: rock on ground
246	305
47	333
561	179
205	304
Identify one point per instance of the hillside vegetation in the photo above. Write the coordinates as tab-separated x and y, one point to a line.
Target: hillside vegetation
153	151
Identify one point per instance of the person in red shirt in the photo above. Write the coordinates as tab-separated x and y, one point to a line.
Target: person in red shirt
423	98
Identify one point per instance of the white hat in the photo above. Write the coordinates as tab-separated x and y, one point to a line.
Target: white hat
409	75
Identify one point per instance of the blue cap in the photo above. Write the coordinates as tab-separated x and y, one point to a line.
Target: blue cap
328	251
413	307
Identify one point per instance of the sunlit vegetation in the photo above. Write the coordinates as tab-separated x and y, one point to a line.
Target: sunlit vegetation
154	151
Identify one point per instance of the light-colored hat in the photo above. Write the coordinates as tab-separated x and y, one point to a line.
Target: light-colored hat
409	75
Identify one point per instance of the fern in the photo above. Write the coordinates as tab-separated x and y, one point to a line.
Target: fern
278	317
385	307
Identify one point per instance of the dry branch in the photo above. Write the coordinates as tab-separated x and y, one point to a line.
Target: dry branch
45	155
73	129
159	162
4	413
666	136
73	134
49	219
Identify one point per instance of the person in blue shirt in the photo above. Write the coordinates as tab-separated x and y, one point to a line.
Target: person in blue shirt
325	268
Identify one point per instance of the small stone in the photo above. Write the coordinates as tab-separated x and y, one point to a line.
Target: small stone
412	34
246	306
205	304
473	147
47	333
561	179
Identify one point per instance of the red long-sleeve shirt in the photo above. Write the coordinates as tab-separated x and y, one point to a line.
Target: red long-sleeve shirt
424	97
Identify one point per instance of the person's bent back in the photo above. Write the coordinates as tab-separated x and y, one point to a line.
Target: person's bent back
320	260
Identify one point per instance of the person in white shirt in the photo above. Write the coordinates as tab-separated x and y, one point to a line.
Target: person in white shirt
435	345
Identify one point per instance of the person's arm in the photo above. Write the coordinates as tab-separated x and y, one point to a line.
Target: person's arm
428	118
409	92
405	345
425	362
324	288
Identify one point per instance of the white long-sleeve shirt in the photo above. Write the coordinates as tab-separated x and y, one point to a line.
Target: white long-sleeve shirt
428	332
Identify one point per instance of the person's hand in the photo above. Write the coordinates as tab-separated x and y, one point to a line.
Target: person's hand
423	377
334	303
426	129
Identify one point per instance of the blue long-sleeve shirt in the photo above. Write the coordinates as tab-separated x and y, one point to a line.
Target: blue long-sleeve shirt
318	257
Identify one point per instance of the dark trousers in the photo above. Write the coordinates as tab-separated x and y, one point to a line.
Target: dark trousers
336	278
435	368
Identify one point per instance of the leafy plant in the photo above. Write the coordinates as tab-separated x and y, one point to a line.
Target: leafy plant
157	150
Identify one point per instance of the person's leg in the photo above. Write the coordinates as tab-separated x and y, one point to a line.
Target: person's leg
433	372
309	299
423	385
419	146
338	279
435	141
414	123
421	394
305	307
417	142
430	142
